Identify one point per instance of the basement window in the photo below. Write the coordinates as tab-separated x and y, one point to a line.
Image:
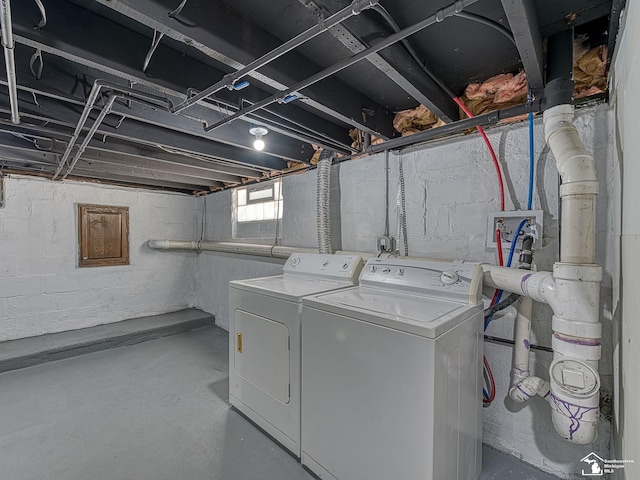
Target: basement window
257	212
259	202
103	235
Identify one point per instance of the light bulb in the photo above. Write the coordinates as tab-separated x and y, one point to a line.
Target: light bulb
258	143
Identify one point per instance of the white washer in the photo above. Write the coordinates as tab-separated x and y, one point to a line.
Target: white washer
391	374
264	339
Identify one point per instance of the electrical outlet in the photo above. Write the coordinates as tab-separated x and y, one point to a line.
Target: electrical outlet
386	244
508	222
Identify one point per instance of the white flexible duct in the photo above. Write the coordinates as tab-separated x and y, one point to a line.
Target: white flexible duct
8	43
324	202
572	290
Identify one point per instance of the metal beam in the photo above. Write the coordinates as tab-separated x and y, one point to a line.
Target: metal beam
523	21
216	30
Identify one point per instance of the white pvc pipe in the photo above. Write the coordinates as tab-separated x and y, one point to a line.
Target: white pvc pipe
258	250
572	291
524	386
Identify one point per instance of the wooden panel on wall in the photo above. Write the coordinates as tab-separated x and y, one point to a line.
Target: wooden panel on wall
103	235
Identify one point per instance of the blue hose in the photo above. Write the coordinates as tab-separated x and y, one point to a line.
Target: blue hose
512	249
531	161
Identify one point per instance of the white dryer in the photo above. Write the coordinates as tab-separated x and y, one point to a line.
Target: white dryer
391	374
264	339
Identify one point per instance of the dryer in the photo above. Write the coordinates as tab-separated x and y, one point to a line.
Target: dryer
392	374
264	339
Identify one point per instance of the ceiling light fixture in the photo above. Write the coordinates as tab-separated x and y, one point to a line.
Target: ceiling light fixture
258	143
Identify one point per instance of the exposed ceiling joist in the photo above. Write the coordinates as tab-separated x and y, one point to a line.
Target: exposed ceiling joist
175	73
523	20
209	28
393	62
66	115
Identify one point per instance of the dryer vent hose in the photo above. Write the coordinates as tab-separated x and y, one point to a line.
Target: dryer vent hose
323	191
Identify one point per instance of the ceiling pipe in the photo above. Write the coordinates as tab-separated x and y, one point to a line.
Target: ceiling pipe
115	92
292	93
230	79
8	44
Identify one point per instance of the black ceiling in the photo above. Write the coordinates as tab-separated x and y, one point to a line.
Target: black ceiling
201	41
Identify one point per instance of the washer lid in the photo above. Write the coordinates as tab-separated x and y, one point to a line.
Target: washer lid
289	287
421	315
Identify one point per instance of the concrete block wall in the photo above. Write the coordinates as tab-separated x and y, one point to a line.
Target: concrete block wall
450	189
42	290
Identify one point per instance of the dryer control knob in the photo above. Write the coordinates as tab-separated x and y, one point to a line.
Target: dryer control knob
345	266
295	261
373	268
449	278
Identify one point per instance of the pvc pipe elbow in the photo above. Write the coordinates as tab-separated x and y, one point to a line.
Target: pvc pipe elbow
528	387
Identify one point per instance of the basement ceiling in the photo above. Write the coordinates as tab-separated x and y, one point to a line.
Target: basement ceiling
151	55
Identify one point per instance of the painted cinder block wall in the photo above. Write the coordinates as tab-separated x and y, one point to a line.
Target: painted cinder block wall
450	190
42	290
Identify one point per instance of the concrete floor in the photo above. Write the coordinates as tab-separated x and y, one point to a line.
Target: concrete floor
152	411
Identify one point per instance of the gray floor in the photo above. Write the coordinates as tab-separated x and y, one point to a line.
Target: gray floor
152	411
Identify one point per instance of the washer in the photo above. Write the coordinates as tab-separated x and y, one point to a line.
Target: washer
391	374
264	339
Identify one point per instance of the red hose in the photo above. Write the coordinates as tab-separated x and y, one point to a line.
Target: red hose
492	383
499	247
489	146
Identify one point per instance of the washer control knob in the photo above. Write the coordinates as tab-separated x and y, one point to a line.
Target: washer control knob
373	268
345	266
325	263
400	271
449	278
386	270
295	261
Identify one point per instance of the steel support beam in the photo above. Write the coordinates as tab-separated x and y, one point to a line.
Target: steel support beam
213	28
523	21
